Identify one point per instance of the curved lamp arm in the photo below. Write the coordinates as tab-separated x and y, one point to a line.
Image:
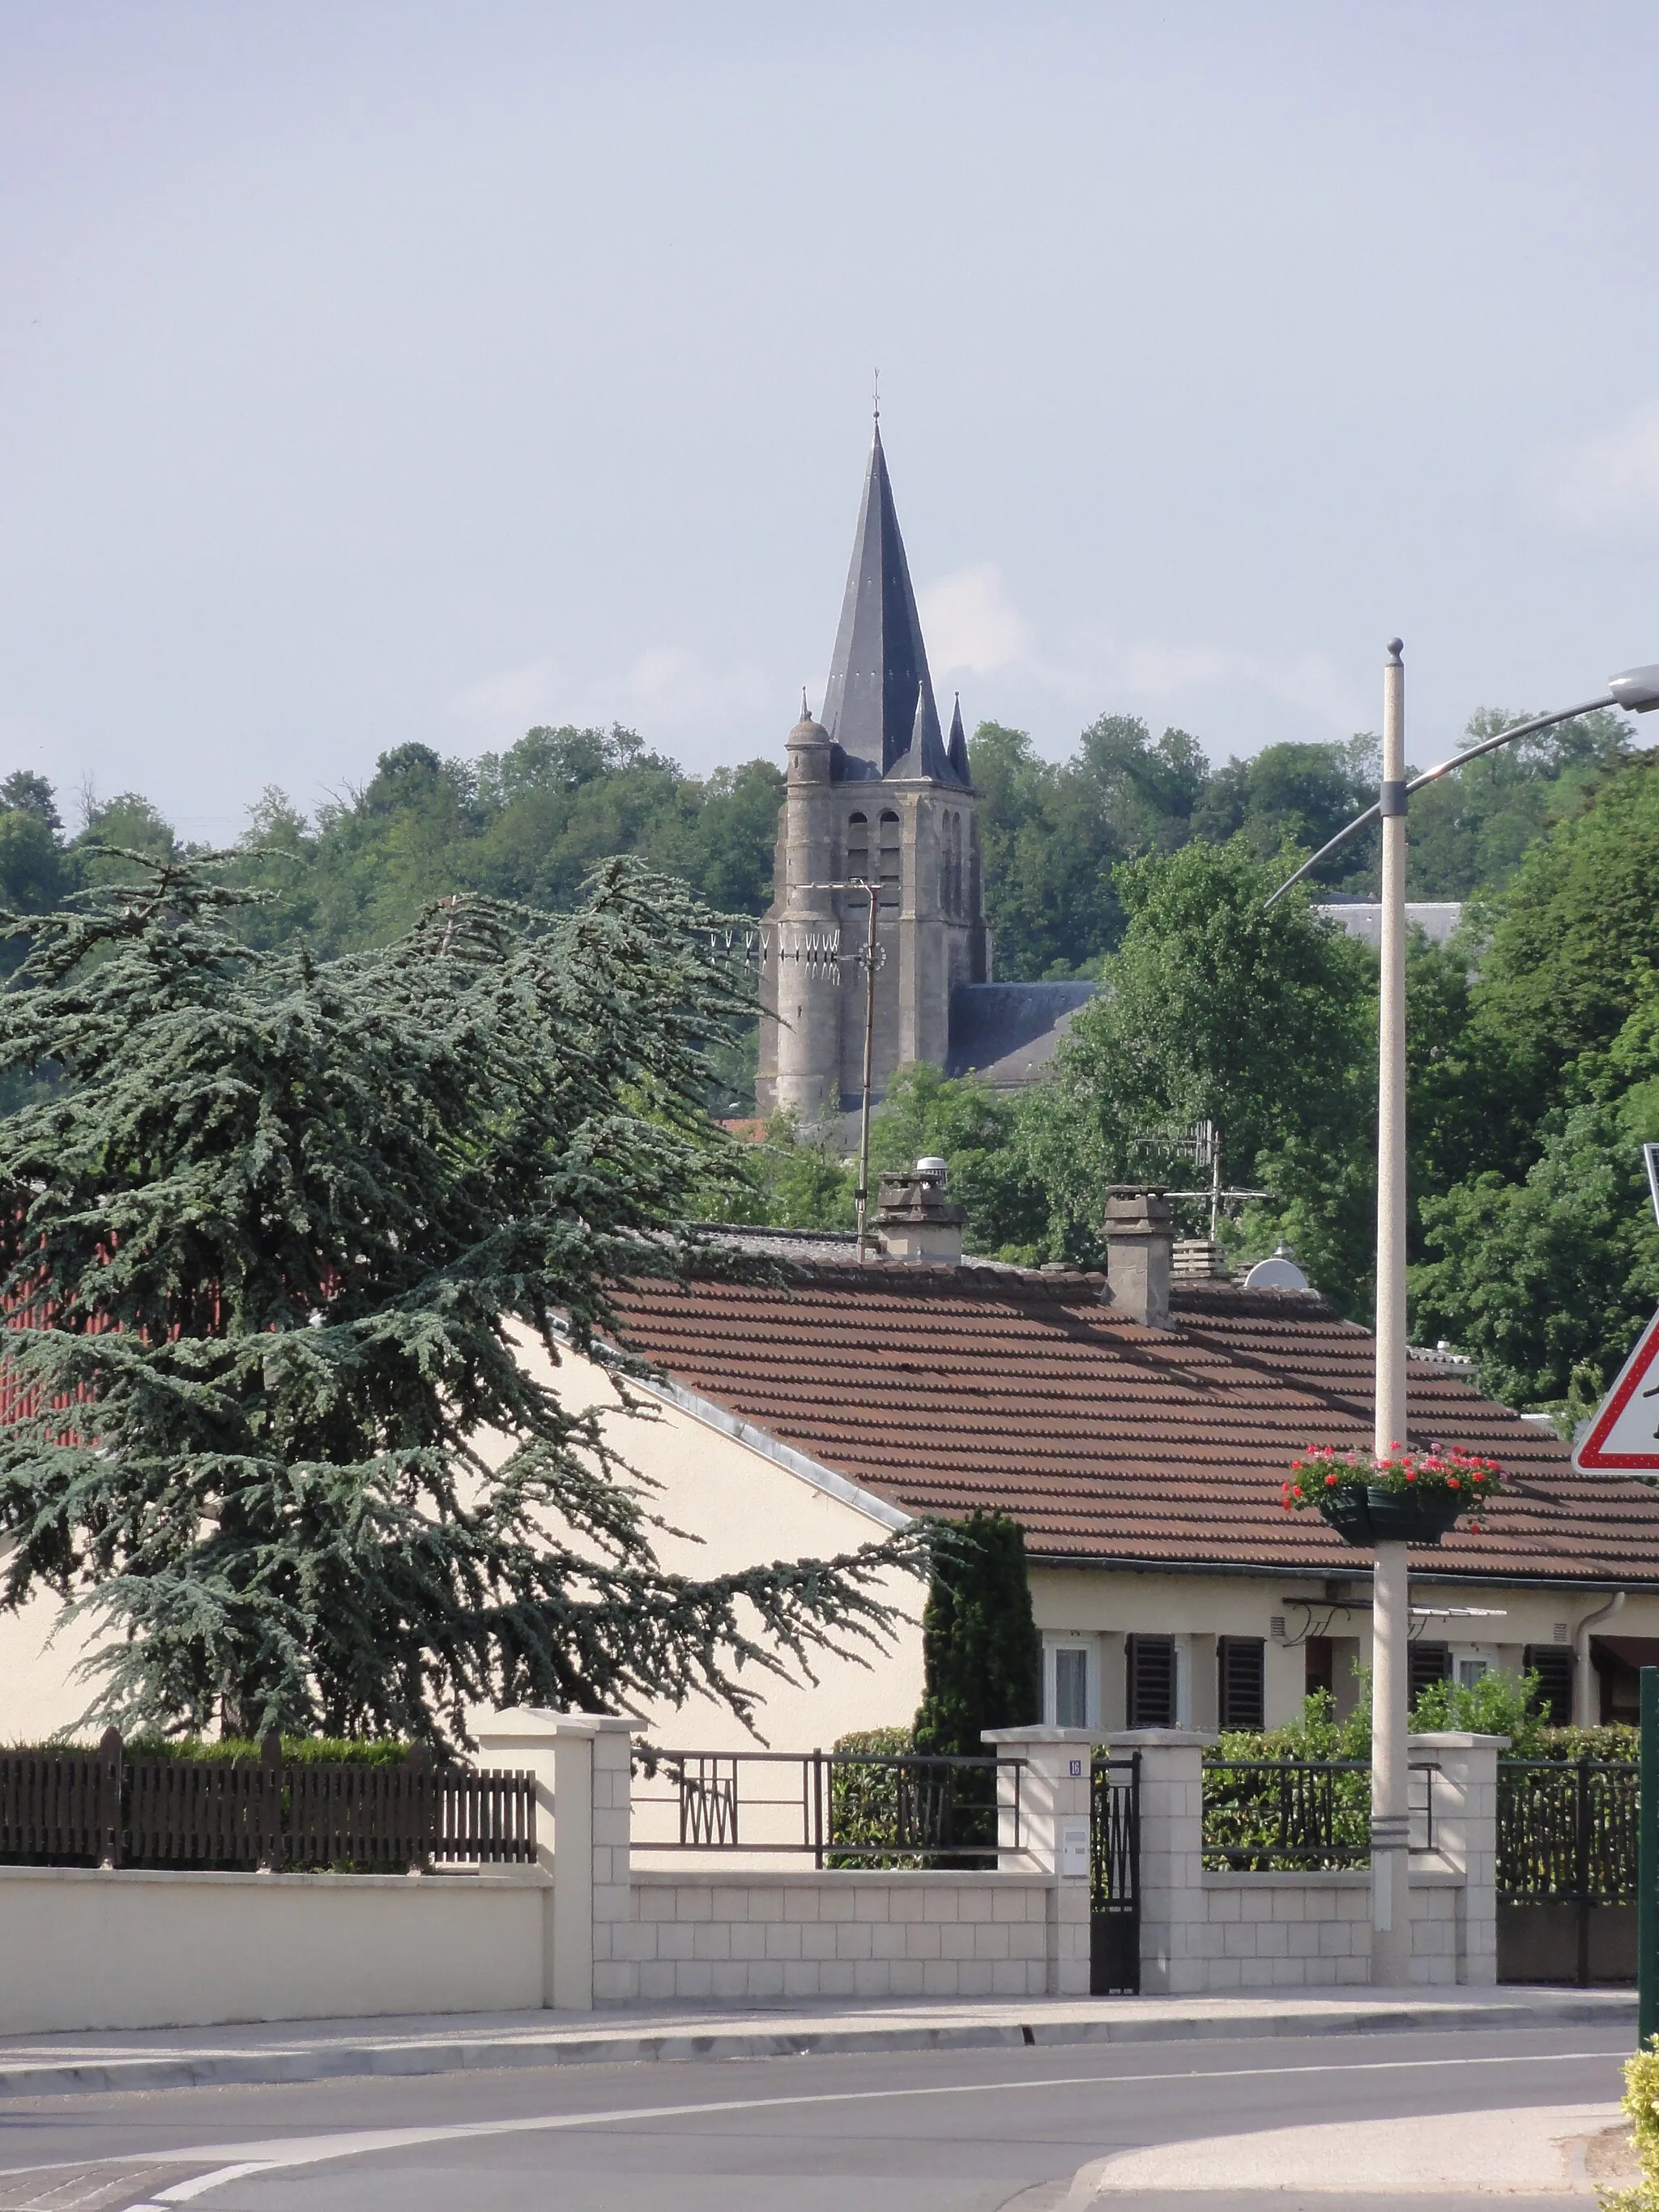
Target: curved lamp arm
1636	691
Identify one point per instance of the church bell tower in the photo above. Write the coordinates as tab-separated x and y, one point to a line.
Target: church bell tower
875	792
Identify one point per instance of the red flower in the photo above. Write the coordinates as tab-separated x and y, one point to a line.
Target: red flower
1474	1528
1451	1482
1411	1474
1329	1481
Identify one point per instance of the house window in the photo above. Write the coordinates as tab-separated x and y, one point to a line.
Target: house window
1241	1666
1472	1666
1070	1686
1426	1664
1552	1664
1150	1687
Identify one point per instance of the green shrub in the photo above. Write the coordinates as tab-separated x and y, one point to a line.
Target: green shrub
226	1751
1617	1741
895	1742
1497	1704
1642	2104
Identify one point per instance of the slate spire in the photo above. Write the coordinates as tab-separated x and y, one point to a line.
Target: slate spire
879	706
958	750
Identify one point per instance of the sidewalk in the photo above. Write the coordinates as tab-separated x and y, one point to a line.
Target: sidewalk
312	2051
1543	2154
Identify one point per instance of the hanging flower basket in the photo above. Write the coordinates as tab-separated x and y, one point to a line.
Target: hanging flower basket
1408	1497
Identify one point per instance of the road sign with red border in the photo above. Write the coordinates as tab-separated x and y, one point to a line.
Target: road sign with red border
1623	1438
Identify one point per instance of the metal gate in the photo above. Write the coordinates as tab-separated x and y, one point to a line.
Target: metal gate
1566	1870
1115	1877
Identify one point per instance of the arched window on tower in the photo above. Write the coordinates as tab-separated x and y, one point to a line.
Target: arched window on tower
892	859
857	846
956	864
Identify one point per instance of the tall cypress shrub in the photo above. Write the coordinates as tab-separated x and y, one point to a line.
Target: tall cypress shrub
982	1655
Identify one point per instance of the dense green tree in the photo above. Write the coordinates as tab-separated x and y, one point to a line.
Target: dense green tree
24	793
1574	937
1539	1253
982	1653
1547	1281
1051	833
1470	831
792	1178
291	1237
1297	795
1217	1008
528	825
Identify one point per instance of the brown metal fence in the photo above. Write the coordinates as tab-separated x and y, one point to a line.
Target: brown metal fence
102	1809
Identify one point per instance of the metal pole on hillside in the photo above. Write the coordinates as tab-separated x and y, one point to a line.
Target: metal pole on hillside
1647	1867
1390	1594
874	890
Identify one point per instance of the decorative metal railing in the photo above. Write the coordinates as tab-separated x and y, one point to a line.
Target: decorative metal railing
103	1808
1278	1816
1566	1831
843	1808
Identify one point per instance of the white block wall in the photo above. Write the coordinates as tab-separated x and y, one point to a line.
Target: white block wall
1263	1931
758	1934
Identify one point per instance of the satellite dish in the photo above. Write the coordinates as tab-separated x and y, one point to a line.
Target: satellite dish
1278	1273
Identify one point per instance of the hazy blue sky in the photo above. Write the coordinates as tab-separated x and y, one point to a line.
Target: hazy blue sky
423	371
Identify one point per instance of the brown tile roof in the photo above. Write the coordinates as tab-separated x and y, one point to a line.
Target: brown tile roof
943	1388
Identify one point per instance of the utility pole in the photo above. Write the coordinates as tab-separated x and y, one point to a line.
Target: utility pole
869	956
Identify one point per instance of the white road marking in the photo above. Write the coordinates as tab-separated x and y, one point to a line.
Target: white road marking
284	2151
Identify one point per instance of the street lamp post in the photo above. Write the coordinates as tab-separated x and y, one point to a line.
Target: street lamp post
1636	691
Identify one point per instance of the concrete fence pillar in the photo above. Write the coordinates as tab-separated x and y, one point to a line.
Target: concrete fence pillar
583	1822
1465	1805
1053	1837
1171	1874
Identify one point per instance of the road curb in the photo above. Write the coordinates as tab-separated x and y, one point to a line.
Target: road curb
335	2060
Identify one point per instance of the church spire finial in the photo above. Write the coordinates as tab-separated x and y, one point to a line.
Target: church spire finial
876	409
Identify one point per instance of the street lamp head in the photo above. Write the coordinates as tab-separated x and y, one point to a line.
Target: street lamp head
1637	689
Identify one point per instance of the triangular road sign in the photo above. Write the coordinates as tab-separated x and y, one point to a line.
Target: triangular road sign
1623	1438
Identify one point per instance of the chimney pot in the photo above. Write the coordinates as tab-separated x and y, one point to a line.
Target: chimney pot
1140	1249
917	1219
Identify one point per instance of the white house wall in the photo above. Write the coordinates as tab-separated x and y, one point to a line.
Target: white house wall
747	1510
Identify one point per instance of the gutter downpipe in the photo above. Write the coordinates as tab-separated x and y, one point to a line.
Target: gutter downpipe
1582	1674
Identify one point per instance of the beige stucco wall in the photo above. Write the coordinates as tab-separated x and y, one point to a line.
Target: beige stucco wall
87	1948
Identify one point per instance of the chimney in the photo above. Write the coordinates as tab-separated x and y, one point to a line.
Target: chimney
1140	1245
916	1218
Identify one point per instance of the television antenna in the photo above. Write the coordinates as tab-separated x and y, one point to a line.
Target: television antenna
1202	1145
870	957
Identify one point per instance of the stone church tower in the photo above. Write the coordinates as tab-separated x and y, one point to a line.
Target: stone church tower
875	792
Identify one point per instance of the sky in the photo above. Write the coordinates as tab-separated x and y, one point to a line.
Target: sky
371	372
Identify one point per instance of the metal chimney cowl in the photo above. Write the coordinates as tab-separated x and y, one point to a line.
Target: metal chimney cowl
1139	1253
917	1218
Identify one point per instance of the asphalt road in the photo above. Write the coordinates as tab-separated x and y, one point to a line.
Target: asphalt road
911	2132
